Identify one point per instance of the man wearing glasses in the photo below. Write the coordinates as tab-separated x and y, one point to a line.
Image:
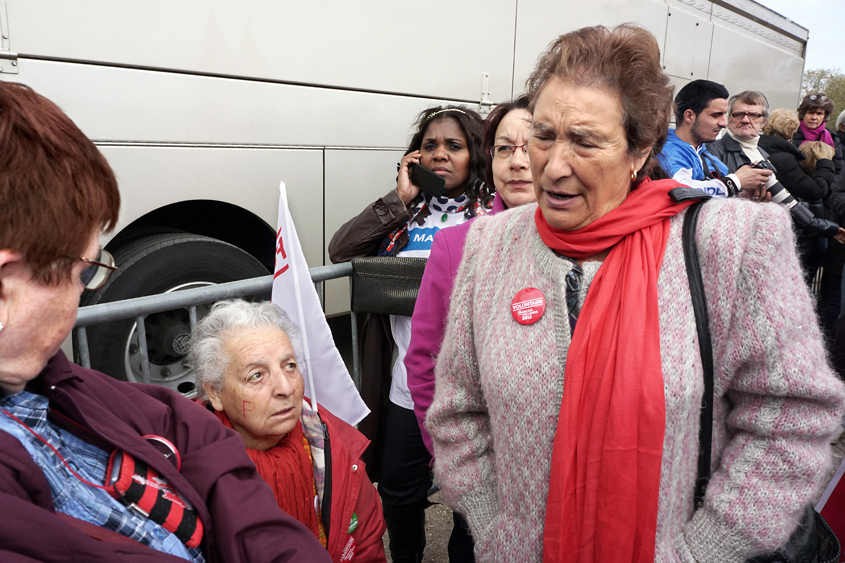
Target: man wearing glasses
701	109
747	114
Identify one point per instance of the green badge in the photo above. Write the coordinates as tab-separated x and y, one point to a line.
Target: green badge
353	523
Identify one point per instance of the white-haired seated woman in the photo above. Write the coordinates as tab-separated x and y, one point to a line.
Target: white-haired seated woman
245	356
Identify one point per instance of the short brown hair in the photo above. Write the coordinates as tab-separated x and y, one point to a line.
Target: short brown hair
783	123
56	188
816	102
624	60
813	152
491	124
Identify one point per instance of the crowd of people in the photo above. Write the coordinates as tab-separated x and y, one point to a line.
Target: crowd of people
552	376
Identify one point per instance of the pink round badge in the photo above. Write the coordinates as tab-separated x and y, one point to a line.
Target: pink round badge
528	306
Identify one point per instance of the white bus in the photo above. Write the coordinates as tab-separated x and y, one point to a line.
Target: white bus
202	106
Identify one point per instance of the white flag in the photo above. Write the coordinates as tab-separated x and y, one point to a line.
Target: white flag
322	367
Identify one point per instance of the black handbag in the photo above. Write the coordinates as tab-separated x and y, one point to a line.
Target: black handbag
813	541
386	284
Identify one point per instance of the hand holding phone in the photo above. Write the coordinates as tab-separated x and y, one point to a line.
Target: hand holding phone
427	180
406	189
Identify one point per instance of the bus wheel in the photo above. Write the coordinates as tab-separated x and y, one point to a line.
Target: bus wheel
153	265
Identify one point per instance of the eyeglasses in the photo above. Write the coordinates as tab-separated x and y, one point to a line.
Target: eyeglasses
504	152
98	271
814	97
741	115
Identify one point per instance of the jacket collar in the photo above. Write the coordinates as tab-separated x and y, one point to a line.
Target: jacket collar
57	370
498	204
730	143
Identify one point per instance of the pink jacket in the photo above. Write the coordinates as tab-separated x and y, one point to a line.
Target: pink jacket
430	315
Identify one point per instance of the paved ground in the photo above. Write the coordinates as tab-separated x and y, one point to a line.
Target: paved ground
438	526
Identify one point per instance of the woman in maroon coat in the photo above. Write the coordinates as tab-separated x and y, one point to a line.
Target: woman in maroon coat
245	356
60	424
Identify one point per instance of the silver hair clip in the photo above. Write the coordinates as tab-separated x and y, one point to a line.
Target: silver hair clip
443	110
1	326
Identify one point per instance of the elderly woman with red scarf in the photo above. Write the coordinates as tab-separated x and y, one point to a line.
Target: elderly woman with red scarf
568	389
245	356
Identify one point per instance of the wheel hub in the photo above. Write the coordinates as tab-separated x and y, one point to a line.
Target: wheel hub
168	336
168	341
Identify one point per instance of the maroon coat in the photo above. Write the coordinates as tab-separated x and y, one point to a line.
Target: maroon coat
242	521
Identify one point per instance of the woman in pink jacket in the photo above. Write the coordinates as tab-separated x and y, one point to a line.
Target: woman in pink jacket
505	137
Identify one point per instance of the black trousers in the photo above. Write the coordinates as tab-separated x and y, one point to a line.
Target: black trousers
405	479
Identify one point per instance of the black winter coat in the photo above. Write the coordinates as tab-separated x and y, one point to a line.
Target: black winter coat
838	159
730	153
785	157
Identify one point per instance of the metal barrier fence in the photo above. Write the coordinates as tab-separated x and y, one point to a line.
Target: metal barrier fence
138	308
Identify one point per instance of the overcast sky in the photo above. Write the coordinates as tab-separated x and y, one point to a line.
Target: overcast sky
826	21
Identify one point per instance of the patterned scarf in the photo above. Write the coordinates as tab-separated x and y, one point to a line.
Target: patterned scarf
390	248
605	471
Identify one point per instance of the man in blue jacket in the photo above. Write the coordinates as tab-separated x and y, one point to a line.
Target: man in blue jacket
700	115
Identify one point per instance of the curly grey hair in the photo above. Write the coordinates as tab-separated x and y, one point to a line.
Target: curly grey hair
206	354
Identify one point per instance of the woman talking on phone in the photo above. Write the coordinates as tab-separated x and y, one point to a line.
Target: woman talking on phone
448	142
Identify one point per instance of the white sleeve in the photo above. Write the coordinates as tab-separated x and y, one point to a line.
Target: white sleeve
713	187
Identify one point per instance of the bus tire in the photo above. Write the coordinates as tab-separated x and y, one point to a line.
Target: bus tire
152	265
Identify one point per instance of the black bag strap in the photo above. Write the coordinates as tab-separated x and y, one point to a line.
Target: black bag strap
813	539
710	173
699	305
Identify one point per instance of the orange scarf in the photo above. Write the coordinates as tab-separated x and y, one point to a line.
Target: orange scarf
605	473
287	469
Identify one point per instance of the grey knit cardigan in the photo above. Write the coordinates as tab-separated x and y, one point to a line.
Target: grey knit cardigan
499	386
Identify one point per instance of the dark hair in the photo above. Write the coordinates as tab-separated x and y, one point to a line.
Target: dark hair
56	188
624	60
473	128
491	124
751	98
808	104
696	96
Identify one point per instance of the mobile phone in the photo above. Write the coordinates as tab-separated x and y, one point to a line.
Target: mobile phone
427	180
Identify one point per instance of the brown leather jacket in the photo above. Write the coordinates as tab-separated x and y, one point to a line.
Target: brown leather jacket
362	236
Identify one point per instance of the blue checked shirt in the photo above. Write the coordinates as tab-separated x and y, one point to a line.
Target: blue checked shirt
70	495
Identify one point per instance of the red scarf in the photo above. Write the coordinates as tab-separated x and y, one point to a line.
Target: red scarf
287	469
605	474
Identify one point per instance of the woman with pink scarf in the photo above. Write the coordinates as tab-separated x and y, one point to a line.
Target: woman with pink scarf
814	111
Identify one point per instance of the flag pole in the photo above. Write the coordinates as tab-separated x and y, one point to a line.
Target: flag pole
299	309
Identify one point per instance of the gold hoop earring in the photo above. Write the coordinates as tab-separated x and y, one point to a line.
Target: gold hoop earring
633	175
